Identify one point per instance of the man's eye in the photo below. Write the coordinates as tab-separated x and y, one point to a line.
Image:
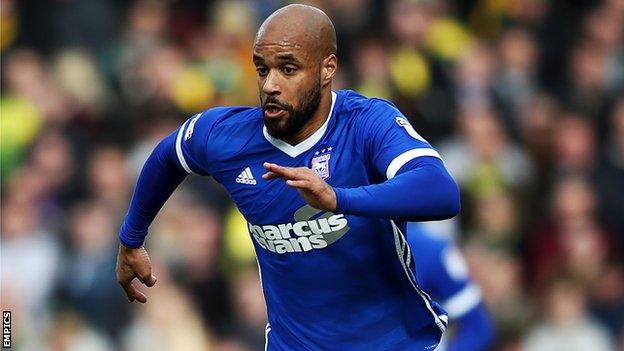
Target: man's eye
262	71
289	70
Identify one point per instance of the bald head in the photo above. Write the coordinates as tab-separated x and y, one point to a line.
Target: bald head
295	58
302	26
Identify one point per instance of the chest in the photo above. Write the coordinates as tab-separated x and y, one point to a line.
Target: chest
339	161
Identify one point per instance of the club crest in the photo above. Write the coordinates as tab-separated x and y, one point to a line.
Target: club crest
320	162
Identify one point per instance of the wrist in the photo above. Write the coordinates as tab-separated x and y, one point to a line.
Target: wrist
125	247
131	239
342	200
126	244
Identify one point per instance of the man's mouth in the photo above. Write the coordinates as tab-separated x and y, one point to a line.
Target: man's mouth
273	110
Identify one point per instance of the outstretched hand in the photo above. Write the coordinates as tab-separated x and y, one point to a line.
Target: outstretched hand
134	263
314	190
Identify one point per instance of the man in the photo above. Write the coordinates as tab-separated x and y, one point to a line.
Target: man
343	173
442	272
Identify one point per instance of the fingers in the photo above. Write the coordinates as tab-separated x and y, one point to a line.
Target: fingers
149	280
300	184
133	293
280	171
134	263
276	171
270	175
144	274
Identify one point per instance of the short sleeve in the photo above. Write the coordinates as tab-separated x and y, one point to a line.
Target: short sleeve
192	141
392	141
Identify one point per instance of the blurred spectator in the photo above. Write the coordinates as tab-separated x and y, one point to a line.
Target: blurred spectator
77	75
482	157
607	297
572	238
500	277
168	321
589	90
574	146
27	78
198	268
496	222
517	83
109	177
70	333
567	325
250	308
474	78
87	272
89	23
610	174
30	261
372	69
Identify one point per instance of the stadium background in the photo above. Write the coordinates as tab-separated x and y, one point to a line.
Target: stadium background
523	98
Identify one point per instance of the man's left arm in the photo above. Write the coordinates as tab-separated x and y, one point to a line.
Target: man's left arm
423	190
416	186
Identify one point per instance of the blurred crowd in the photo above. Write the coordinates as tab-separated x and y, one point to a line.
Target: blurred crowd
523	99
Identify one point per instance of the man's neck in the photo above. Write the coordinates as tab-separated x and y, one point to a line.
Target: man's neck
317	120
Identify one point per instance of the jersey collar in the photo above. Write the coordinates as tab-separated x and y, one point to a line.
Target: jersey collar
305	145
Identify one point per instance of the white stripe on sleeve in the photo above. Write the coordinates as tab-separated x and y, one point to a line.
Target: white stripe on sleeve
178	148
407	156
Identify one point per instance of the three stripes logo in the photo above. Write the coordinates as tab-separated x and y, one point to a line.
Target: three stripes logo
245	177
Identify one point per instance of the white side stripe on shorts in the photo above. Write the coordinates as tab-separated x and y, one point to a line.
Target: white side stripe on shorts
401	246
267	329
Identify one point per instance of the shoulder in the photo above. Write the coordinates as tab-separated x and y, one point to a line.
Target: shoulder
227	115
373	116
355	105
210	135
218	121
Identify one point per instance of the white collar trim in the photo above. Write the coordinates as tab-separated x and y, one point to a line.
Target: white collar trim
305	145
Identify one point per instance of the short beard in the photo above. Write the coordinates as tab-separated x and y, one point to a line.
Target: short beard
297	118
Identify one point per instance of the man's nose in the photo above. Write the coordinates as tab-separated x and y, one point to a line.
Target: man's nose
271	84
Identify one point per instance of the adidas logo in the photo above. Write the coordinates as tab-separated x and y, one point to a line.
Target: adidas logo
245	177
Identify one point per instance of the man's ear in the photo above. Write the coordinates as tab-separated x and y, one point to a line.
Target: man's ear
328	69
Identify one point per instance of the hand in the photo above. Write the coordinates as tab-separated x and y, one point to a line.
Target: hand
314	190
134	263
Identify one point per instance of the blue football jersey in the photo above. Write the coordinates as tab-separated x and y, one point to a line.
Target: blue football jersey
330	281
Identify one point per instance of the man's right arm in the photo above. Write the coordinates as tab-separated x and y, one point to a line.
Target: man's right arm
159	177
180	153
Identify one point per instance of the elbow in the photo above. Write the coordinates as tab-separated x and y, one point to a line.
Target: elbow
450	205
449	202
455	202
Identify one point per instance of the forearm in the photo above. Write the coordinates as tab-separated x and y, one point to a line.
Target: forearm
423	192
159	177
